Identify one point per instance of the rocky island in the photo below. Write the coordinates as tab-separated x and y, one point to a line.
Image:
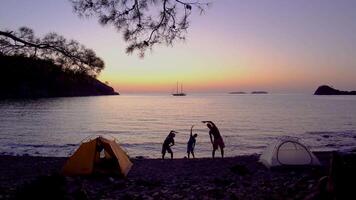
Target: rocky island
327	90
25	77
259	92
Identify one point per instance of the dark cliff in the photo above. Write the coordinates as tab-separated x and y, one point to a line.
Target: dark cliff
33	78
327	90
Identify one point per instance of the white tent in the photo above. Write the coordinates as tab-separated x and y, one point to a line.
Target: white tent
288	151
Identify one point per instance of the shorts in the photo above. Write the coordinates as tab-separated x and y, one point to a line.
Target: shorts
190	149
166	149
218	143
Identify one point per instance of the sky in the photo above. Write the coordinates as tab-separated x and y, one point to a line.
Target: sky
280	46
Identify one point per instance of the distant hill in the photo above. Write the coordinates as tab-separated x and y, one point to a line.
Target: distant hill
259	92
34	78
327	90
237	92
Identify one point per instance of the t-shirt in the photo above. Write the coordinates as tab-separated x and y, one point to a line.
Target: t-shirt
215	132
168	140
191	141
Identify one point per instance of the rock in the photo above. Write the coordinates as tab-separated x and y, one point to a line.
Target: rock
176	196
240	169
147	197
327	90
246	183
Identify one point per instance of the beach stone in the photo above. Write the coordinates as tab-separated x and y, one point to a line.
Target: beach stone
147	197
176	196
240	170
201	183
246	183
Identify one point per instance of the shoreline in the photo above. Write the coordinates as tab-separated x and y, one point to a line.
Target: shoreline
240	177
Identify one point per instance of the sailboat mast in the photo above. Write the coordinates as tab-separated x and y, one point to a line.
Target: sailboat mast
177	88
181	88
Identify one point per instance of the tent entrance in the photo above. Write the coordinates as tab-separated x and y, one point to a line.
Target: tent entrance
105	161
293	153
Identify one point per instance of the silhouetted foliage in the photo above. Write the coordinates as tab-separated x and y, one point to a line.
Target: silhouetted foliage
143	23
35	78
68	54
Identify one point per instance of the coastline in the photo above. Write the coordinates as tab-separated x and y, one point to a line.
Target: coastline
241	177
30	78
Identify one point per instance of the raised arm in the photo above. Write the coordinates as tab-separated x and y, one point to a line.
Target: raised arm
191	130
210	122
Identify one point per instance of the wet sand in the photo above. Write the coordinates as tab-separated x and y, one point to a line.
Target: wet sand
241	177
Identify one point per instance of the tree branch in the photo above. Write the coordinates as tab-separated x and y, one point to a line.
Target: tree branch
143	23
52	47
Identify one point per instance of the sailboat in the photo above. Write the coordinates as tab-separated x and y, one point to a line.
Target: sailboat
181	93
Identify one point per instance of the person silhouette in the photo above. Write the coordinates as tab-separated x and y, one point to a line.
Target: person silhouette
168	143
191	143
217	141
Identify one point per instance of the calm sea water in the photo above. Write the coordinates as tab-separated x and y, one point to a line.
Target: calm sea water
248	123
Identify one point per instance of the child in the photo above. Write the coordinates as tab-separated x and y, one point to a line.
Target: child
168	142
191	143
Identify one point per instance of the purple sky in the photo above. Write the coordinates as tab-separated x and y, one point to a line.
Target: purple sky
280	46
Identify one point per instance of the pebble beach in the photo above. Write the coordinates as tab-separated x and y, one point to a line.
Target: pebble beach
241	177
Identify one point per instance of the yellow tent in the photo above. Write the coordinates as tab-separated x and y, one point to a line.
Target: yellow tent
98	155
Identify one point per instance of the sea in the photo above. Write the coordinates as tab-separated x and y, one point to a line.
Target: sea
140	123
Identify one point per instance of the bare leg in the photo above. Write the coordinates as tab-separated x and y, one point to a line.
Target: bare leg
163	155
193	154
188	155
222	152
172	155
213	153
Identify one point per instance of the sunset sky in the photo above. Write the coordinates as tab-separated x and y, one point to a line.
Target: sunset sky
237	45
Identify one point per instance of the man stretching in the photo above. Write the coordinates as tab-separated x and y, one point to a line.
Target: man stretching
218	141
